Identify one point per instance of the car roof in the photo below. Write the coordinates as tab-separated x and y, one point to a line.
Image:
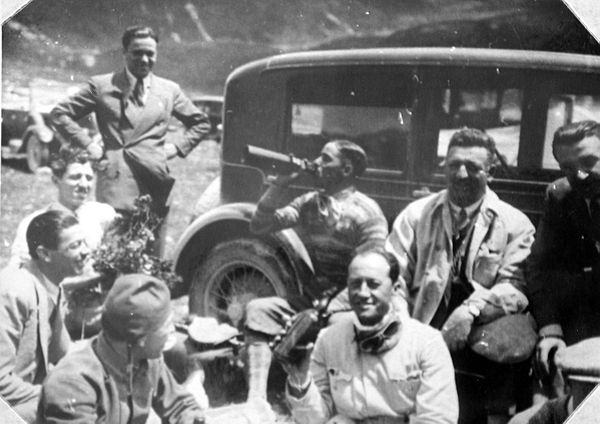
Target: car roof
426	56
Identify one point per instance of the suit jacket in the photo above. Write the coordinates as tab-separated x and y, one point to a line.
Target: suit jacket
29	342
564	270
421	238
134	162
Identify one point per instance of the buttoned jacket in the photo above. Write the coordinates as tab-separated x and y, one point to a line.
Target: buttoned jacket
134	161
421	238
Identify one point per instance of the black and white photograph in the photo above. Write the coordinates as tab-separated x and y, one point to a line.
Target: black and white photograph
300	211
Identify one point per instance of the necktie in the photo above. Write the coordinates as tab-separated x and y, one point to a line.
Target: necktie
139	92
462	220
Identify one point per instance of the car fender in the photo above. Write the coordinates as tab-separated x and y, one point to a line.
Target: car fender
191	243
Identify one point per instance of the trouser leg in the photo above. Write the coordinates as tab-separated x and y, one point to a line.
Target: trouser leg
265	318
258	363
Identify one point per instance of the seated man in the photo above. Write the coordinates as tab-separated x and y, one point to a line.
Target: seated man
462	253
332	223
73	176
563	269
120	375
32	332
376	365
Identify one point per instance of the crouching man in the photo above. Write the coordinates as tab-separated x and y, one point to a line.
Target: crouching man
376	365
120	375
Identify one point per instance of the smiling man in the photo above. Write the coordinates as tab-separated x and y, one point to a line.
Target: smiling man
32	331
376	365
73	176
133	108
462	253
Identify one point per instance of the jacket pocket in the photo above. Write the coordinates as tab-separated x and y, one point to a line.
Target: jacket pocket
407	384
340	380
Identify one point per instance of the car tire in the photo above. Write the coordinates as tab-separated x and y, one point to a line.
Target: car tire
38	153
235	272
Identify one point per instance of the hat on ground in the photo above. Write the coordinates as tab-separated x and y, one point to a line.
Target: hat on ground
136	305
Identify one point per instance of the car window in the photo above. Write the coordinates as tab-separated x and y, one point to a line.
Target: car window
564	109
498	112
381	131
366	105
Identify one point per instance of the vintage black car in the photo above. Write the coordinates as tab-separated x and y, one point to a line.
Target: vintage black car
402	105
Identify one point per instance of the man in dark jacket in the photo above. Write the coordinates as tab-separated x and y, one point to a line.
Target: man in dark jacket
120	375
564	266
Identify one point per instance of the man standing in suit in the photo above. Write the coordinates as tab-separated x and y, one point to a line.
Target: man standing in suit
32	332
462	254
133	108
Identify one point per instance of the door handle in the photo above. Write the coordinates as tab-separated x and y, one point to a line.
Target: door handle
421	192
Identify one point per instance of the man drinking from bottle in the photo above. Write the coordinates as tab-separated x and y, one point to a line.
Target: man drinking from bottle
333	223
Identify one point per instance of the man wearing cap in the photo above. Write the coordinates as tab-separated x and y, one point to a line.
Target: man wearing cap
120	375
376	365
32	332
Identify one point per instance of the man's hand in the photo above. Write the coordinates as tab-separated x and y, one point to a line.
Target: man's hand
95	150
298	372
457	327
544	350
170	150
87	279
284	180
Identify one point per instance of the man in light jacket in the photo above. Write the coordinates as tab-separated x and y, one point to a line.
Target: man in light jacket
462	253
376	365
32	331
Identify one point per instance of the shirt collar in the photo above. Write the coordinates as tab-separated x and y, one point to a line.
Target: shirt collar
470	210
133	80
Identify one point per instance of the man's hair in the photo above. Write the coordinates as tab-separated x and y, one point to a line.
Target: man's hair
66	156
138	31
473	137
390	258
569	134
354	153
44	230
